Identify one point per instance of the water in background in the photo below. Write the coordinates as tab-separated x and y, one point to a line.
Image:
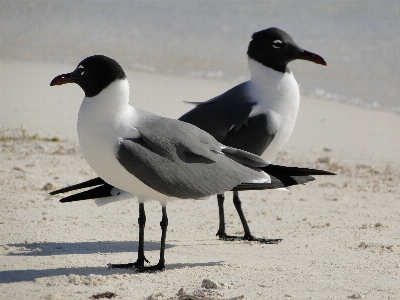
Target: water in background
360	40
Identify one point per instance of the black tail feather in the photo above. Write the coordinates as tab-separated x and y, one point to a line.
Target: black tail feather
82	185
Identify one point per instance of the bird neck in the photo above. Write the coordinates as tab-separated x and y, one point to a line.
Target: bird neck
275	90
111	99
107	106
259	71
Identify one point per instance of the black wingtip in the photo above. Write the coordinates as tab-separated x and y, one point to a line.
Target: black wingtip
293	171
276	183
282	176
94	193
82	185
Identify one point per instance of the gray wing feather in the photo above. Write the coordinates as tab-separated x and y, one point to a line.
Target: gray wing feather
254	138
218	115
185	163
245	157
227	118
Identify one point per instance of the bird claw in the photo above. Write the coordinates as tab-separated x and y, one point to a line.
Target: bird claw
135	265
150	269
225	237
263	241
121	266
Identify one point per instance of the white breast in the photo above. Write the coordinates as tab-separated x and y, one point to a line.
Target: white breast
102	121
277	95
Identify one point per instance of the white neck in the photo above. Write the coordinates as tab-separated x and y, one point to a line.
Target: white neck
258	68
274	89
106	107
113	97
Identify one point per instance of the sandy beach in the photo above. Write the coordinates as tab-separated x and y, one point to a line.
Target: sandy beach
340	233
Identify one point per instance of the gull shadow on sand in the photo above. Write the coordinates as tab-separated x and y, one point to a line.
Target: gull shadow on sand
12	276
60	248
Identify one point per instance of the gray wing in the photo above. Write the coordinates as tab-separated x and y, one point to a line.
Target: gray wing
227	118
180	160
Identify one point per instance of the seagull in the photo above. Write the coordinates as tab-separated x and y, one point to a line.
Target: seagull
257	116
157	158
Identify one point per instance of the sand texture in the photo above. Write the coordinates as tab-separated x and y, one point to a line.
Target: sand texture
340	233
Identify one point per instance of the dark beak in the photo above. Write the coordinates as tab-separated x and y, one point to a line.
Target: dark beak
63	78
306	55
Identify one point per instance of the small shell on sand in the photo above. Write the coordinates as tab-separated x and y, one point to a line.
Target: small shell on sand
182	291
49	186
210	284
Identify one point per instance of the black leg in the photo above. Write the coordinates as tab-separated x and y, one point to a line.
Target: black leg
164	226
141	258
161	263
247	234
142	223
238	206
221	230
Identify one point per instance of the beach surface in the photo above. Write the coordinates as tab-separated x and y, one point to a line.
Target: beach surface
340	233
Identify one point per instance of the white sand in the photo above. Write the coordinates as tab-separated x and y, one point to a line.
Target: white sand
340	234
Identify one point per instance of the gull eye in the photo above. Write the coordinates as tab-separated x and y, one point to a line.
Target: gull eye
81	69
277	44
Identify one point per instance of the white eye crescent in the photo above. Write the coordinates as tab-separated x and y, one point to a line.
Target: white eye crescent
277	44
82	69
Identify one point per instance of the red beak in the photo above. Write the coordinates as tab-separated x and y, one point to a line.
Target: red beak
306	55
62	79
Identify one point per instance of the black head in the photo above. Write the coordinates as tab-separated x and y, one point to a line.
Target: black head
93	74
275	48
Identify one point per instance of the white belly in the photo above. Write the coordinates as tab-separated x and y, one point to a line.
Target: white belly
280	139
